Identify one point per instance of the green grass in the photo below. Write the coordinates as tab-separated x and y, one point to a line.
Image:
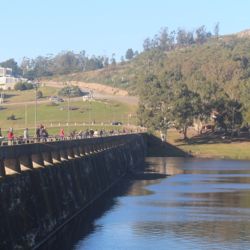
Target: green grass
234	150
86	112
12	96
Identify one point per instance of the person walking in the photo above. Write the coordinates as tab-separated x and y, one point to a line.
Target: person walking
38	133
10	136
61	134
43	134
26	135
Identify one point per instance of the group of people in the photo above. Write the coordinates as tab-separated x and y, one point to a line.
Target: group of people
41	134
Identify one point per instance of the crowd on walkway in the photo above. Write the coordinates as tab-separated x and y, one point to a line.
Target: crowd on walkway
42	135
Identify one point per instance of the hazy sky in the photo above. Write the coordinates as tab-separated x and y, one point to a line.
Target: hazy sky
40	27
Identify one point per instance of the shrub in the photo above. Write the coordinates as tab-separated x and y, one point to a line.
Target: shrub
39	94
11	117
72	91
23	86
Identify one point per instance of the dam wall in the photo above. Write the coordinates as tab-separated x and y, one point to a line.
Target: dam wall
44	185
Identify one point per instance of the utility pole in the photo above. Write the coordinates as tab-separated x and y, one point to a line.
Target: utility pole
36	105
26	116
68	117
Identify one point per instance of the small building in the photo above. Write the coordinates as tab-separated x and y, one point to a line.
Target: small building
7	80
5	72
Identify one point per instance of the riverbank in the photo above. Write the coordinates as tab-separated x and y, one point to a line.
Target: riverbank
208	146
204	146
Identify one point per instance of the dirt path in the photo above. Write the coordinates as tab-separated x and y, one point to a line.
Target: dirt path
101	91
100	88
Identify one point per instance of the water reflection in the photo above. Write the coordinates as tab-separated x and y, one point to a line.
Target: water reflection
173	203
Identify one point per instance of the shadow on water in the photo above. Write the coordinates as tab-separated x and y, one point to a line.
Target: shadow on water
83	224
157	148
147	172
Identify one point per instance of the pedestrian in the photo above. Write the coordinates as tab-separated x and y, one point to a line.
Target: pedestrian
10	136
163	137
43	134
61	134
101	133
38	133
26	135
91	133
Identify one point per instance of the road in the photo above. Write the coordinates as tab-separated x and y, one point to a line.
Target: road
126	99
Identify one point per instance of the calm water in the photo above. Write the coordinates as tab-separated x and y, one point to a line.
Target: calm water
203	204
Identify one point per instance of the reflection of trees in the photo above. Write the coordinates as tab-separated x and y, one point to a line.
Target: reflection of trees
218	212
211	231
166	165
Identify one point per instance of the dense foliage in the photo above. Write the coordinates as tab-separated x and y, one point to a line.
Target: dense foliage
180	76
70	91
11	63
23	86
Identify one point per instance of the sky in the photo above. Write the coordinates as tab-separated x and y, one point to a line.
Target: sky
29	28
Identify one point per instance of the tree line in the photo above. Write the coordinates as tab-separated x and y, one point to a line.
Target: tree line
63	63
166	101
167	40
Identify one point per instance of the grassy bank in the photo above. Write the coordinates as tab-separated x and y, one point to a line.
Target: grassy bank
220	148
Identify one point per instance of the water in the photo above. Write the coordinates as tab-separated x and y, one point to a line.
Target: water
203	204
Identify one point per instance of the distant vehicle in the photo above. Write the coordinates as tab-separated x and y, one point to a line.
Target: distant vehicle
116	123
56	99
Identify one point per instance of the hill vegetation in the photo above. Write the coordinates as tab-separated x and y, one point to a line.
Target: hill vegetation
211	70
182	75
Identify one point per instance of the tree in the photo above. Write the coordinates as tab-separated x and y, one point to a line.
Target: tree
201	34
70	91
112	60
147	44
23	86
229	113
216	29
185	107
129	54
39	94
184	38
153	111
11	63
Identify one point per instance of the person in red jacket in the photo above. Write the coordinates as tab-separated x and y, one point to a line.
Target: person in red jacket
61	133
10	136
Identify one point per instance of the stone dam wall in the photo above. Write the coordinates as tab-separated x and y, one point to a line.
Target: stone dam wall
44	185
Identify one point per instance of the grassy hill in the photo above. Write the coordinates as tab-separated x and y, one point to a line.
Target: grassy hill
224	60
102	112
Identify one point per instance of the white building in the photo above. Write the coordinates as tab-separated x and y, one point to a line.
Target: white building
7	81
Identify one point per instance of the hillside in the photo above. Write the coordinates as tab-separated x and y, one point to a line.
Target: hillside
224	60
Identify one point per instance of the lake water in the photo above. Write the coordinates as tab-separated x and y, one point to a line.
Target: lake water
176	203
